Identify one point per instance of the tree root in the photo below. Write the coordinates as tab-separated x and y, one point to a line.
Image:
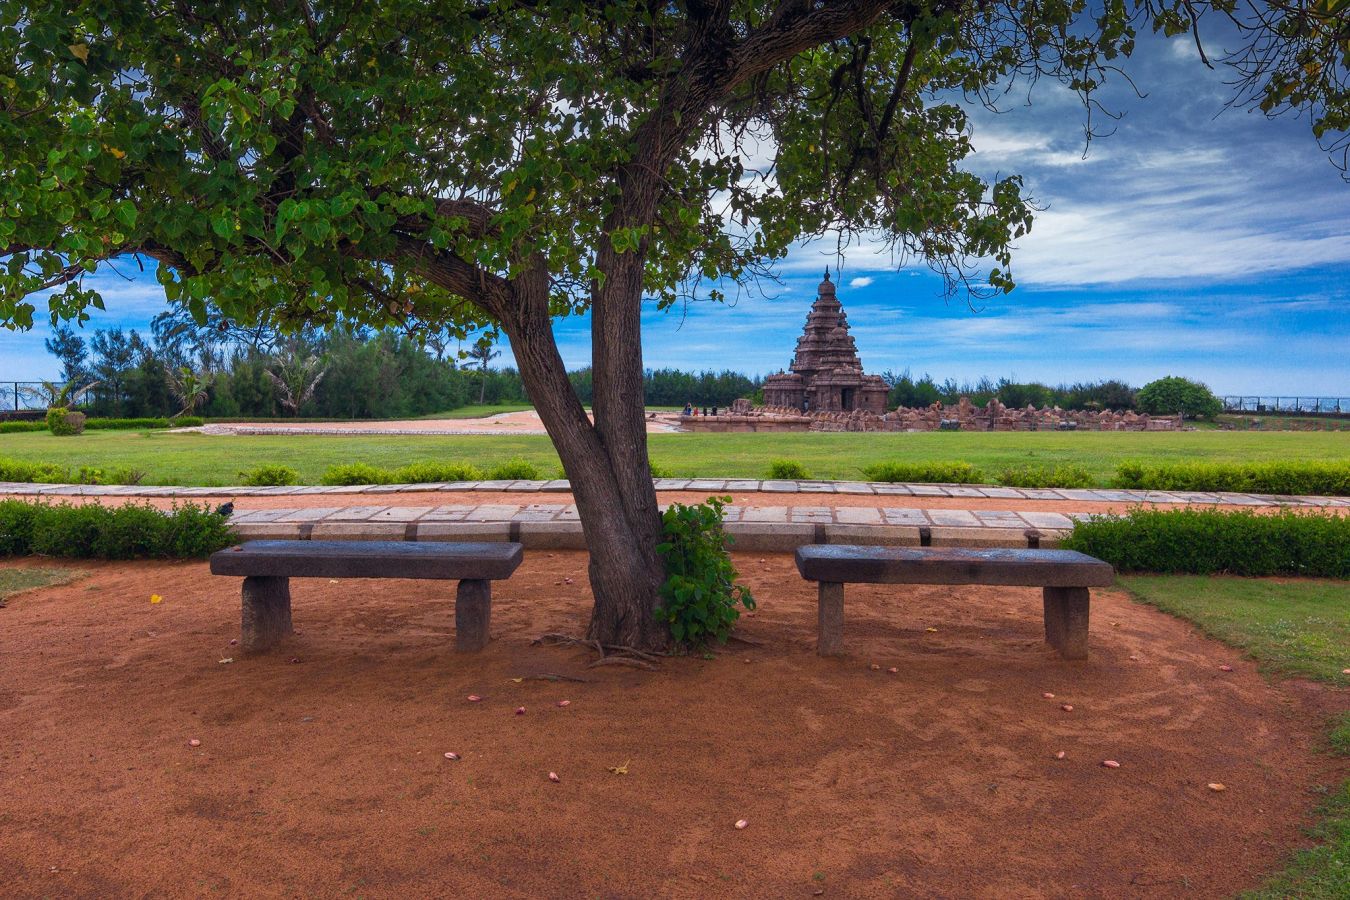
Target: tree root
554	639
551	676
623	661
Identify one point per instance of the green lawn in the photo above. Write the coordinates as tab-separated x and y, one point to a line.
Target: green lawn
17	580
1295	627
200	459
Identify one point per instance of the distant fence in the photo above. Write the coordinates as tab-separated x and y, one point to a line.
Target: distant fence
1288	406
16	396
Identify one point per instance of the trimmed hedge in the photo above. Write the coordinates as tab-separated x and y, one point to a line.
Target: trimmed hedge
787	470
64	422
1326	478
93	531
107	424
935	473
51	473
1063	476
269	476
1209	542
353	474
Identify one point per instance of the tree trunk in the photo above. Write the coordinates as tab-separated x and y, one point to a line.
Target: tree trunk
617	509
482	386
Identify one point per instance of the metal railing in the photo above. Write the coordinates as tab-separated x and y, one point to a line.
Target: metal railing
1306	406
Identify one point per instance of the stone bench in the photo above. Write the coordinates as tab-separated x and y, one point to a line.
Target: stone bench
1063	575
268	566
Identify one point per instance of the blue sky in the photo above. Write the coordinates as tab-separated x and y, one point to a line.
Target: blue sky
1194	240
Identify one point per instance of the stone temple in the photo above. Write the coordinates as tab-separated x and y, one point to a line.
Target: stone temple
826	374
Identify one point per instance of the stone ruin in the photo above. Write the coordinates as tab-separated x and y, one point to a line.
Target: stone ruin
966	416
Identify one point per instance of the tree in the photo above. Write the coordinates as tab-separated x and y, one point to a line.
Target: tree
1174	395
68	347
413	163
483	354
191	388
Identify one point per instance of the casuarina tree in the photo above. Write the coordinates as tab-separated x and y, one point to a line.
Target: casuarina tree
423	164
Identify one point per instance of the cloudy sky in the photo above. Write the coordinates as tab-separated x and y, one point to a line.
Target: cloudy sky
1194	240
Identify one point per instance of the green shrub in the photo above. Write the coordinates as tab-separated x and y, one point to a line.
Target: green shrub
16	427
514	470
424	472
699	597
1171	395
1061	476
51	473
788	470
1207	541
1281	477
355	474
657	470
933	473
63	422
92	531
106	424
269	476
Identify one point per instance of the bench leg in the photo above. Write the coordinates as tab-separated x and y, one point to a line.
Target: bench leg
1066	621
830	621
473	609
266	615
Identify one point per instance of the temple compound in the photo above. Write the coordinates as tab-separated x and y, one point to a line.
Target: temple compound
826	374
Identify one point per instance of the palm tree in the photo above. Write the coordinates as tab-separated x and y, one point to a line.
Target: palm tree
484	354
295	380
191	388
59	396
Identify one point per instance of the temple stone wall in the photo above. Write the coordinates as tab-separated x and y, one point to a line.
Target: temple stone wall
965	416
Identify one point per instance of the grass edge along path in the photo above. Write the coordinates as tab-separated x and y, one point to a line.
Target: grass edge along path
194	459
16	580
1281	624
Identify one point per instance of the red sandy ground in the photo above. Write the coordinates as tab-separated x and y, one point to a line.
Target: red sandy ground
320	770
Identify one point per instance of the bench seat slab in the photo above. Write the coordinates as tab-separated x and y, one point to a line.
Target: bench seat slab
951	565
369	559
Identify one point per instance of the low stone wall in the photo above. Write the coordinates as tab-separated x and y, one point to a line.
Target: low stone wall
723	422
964	416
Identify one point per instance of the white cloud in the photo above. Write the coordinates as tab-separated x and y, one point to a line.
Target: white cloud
861	282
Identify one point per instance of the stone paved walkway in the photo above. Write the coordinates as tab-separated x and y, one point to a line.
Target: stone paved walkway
712	485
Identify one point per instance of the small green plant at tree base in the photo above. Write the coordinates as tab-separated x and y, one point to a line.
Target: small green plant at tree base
787	470
924	473
63	422
1062	476
657	470
514	470
700	596
269	476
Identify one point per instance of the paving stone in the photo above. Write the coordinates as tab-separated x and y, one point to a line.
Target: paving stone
670	484
568	514
255	516
857	515
743	486
1000	518
1043	520
1040	494
903	516
309	514
953	517
853	487
764	514
1160	497
881	487
401	514
530	486
927	490
956	490
557	485
1080	495
818	514
779	487
1003	492
355	513
706	484
815	487
493	512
